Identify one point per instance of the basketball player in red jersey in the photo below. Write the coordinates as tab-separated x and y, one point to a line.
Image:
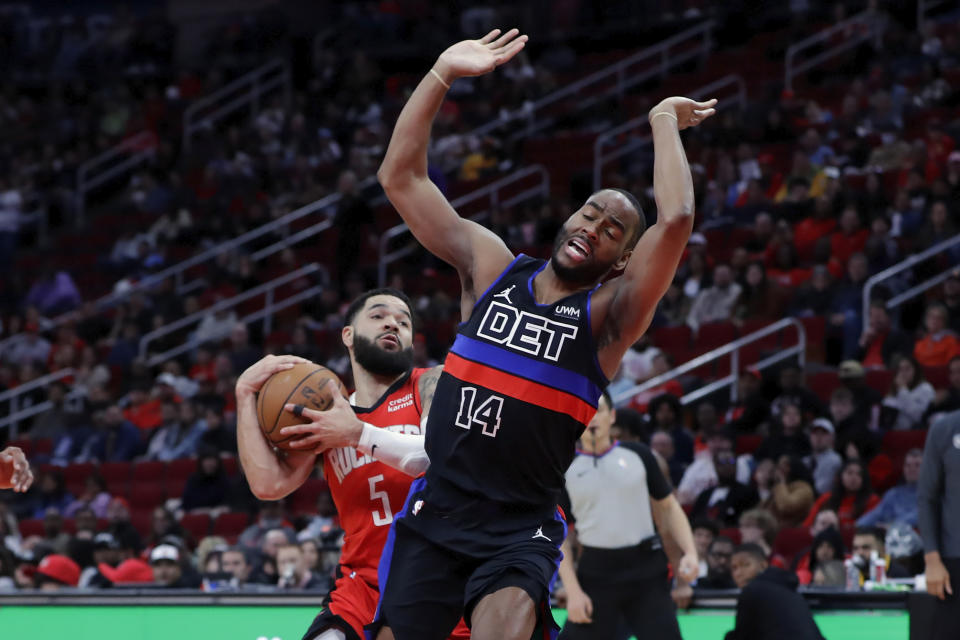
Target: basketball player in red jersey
15	470
370	451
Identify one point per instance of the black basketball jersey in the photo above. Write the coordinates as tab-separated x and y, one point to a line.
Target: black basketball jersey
519	385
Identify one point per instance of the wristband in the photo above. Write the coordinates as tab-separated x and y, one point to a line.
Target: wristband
440	78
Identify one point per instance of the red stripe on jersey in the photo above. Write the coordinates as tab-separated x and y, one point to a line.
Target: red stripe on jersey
519	388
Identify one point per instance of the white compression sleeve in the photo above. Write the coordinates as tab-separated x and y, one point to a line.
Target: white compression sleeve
402	451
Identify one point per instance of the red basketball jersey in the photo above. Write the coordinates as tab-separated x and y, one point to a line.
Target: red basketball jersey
367	492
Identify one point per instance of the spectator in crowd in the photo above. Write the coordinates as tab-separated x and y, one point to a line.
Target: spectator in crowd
751	408
242	353
51	424
322	526
718	563
951	298
55	572
717	302
130	571
95	497
54	293
851	237
824	461
948	399
217	436
843	413
939	345
207	487
266	571
115	439
827	546
163	526
118	516
814	297
177	437
294	572
793	391
910	395
759	526
881	342
353	218
50	492
830	575
704	532
661	364
662	442
702	474
788	437
27	347
167	572
825	519
666	414
850	497
271	517
792	491
728	498
846	306
769	607
234	561
866	542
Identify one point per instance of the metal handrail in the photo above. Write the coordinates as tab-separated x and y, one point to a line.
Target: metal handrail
617	71
247	90
15	413
907	263
36	383
873	30
266	314
266	288
733	350
491	191
604	139
113	162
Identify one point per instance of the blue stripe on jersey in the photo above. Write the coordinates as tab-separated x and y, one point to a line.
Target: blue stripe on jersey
528	368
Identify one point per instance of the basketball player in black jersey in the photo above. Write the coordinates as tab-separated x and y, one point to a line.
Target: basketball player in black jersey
479	535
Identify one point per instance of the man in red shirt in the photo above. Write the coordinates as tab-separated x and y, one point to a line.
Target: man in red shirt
881	342
851	237
387	418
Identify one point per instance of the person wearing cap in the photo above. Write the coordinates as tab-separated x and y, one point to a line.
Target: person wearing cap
55	572
130	571
167	572
715	303
823	460
106	552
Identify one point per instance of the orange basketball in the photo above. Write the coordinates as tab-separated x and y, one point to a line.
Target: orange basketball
303	384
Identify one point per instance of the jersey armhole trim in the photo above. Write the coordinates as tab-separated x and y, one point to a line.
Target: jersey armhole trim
593	339
493	284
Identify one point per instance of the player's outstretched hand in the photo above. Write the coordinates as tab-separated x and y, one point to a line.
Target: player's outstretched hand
689	113
477	57
15	470
336	427
259	372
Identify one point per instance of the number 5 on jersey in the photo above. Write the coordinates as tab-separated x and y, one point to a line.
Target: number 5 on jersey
487	415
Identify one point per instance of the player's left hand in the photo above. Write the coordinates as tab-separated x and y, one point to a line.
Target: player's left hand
336	427
682	595
688	568
689	113
15	471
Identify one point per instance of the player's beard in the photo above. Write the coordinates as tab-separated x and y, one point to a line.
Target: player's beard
381	362
588	273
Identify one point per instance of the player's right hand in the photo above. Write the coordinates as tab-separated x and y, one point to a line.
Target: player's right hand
259	372
579	607
477	57
938	579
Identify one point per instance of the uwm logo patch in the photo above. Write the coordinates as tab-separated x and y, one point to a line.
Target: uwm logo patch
567	310
524	331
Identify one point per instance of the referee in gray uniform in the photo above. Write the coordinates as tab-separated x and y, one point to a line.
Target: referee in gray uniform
617	493
938	494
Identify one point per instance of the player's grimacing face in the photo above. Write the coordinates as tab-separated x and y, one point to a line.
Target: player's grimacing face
594	239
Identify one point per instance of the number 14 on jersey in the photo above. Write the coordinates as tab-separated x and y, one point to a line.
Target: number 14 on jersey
487	415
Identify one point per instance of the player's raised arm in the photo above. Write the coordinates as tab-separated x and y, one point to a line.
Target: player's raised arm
403	173
270	477
655	258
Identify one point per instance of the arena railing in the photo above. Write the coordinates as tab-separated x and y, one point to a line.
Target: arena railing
906	264
491	193
732	350
654	61
109	165
602	157
246	91
271	304
865	26
13	396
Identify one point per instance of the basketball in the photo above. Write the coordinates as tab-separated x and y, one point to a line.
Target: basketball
303	384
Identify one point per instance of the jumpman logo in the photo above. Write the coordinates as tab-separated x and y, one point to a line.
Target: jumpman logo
539	534
506	294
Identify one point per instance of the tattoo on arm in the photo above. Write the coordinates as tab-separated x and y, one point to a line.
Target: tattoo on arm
428	385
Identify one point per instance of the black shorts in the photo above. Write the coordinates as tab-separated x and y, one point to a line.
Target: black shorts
439	561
